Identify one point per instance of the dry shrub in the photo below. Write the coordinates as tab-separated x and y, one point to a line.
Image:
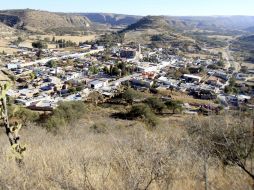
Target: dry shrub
122	158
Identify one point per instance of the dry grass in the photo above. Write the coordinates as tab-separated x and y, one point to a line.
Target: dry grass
184	97
76	39
4	46
125	156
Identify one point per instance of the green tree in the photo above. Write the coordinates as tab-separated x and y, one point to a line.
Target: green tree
32	76
65	114
221	64
39	45
244	69
130	95
94	70
174	105
115	71
53	39
26	116
144	112
155	104
51	64
228	89
106	70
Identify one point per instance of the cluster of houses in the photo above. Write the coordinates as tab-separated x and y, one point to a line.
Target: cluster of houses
40	85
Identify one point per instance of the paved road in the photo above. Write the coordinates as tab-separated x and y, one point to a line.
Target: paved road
230	59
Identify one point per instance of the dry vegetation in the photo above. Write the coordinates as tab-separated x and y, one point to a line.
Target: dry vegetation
75	39
183	97
100	152
4	46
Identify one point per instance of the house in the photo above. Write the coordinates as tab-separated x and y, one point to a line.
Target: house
54	81
221	75
147	67
170	82
130	54
12	93
142	82
204	94
192	78
98	83
27	93
43	105
215	81
13	66
242	76
71	76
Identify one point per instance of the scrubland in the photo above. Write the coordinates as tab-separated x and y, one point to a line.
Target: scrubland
101	152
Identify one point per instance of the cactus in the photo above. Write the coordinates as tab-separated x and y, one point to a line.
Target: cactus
11	131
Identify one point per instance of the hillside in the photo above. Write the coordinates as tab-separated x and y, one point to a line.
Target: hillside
245	45
34	20
250	29
111	19
100	152
179	22
6	30
218	22
158	31
157	23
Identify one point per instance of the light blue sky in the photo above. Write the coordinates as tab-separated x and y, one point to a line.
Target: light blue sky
139	7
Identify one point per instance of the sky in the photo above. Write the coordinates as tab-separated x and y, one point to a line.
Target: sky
139	7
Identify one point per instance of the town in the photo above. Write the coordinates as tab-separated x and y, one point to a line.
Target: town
44	77
127	95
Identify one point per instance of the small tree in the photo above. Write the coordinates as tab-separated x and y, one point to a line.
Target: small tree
39	45
144	112
52	64
26	115
53	39
155	103
130	95
174	105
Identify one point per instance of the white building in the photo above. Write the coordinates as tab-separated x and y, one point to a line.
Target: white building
97	84
192	78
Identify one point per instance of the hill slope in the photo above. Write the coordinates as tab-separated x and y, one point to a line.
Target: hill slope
111	19
157	23
250	29
6	30
158	31
218	22
245	45
34	20
182	22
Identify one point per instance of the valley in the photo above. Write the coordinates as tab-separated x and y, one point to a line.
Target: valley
117	101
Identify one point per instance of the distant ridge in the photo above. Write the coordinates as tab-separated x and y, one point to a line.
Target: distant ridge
111	19
34	20
156	23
